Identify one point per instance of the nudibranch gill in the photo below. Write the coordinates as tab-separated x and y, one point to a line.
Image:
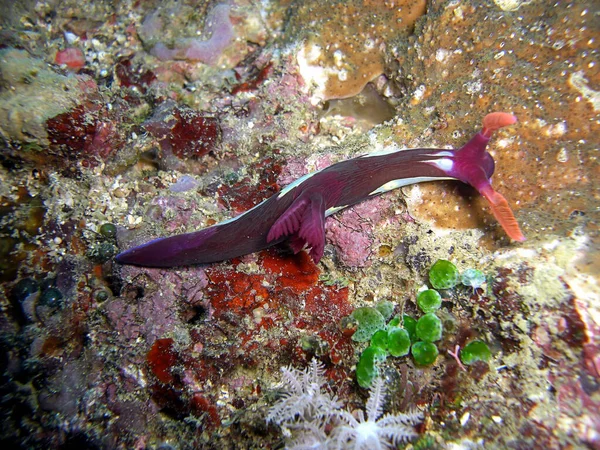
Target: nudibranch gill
298	212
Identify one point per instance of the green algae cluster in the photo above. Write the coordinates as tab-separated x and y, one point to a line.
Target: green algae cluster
398	338
406	335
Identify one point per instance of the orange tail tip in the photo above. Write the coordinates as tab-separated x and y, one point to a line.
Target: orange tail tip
503	214
496	120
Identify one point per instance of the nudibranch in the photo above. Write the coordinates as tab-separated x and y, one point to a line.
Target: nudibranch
298	212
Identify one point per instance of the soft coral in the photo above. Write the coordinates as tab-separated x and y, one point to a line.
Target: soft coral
312	417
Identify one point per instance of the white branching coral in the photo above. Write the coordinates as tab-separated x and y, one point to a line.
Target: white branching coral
312	418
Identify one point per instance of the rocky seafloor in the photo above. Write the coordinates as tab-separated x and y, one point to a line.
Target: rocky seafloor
125	121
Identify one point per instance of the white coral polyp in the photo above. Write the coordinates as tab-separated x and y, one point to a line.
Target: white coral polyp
365	435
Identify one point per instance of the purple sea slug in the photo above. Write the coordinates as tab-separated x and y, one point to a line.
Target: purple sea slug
297	213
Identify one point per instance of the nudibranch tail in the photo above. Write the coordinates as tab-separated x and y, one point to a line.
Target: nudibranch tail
169	251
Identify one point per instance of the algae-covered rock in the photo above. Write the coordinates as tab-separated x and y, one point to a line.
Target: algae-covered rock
31	94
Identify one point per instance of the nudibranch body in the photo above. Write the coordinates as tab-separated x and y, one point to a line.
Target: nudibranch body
298	212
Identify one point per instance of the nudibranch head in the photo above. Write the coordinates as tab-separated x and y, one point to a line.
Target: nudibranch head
472	164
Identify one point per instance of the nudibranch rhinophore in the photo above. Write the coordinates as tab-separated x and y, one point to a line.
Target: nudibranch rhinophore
298	212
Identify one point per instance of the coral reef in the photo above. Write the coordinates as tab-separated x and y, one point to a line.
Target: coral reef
105	144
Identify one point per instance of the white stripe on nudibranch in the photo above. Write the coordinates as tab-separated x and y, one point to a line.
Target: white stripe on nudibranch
444	153
395	184
239	216
294	184
444	164
393	148
334	209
